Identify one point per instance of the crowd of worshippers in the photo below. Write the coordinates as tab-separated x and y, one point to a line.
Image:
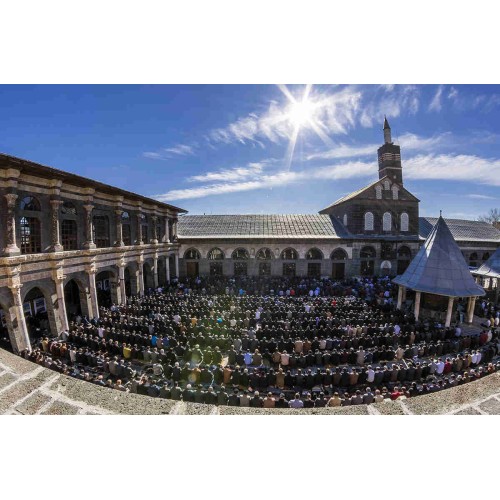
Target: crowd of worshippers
308	343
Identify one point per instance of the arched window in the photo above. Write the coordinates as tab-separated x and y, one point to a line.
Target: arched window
368	221
101	231
387	221
264	254
143	220
289	254
69	234
215	254
68	208
31	238
378	192
367	253
387	185
192	254
339	254
395	192
405	222
126	230
314	254
240	254
345	220
486	256
30	203
404	252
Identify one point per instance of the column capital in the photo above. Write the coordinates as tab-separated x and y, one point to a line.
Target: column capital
118	211
11	200
88	207
56	203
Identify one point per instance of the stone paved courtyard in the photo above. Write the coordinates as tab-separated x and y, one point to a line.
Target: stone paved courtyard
28	389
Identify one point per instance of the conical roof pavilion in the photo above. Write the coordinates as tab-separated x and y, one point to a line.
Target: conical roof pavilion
491	267
439	267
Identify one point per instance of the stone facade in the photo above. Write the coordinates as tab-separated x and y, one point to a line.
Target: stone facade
119	243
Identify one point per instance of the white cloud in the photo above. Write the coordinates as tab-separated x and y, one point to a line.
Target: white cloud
168	153
231	174
407	141
468	168
180	149
481	197
435	104
282	178
404	98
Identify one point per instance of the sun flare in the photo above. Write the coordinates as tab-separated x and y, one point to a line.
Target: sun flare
301	112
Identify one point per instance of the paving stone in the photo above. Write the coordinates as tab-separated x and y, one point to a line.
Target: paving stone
61	408
468	411
31	405
492	406
6	379
22	388
16	363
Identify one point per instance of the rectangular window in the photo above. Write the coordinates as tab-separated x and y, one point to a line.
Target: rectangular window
40	306
265	269
101	231
69	235
216	269
31	239
289	269
313	270
127	235
240	269
145	234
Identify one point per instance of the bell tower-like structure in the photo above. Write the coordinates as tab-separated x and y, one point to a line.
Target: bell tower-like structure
389	157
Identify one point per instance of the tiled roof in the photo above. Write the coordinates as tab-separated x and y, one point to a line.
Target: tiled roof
256	226
351	195
491	267
462	230
439	267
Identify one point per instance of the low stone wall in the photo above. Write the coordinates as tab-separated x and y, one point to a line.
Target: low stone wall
27	388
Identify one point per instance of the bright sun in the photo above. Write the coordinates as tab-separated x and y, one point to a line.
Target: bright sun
301	112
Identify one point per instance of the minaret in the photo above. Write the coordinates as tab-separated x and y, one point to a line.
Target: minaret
389	157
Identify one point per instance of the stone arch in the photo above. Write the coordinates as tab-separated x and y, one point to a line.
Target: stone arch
7	334
131	273
339	254
215	254
240	254
289	254
264	254
41	315
76	297
192	254
148	274
107	285
314	254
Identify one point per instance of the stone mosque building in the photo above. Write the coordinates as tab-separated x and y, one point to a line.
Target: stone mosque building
374	230
70	244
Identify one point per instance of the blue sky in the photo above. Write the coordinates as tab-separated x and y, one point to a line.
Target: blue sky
224	149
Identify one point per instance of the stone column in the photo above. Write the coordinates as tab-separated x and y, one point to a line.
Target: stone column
139	230
61	303
400	297
119	228
167	231
403	298
91	272
55	226
155	271
449	311
154	233
11	248
89	236
174	229
141	279
20	339
417	305
121	278
167	268
177	265
470	309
